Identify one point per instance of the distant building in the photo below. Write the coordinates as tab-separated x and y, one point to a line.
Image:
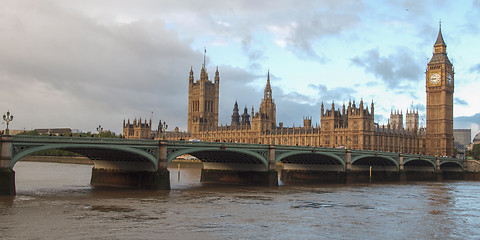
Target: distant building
462	138
137	129
143	130
53	131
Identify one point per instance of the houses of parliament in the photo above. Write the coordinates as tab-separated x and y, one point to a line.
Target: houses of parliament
350	126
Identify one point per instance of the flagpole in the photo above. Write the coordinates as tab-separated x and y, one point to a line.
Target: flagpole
204	55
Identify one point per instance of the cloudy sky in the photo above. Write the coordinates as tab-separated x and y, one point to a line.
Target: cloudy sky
80	64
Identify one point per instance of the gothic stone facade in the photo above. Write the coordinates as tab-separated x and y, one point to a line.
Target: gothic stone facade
137	129
350	126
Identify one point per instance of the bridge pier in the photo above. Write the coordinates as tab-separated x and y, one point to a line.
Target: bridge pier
133	175
7	181
246	174
313	176
377	176
7	175
253	178
130	179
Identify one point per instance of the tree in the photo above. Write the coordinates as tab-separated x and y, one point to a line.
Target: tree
475	152
29	133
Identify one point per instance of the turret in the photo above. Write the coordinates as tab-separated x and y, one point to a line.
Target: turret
203	75
322	110
235	115
217	76
268	89
191	78
245	117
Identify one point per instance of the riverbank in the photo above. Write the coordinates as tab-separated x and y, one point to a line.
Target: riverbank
58	159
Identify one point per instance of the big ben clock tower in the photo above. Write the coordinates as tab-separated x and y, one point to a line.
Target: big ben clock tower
439	87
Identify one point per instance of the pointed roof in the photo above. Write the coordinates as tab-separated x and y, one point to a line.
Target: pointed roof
268	88
235	107
440	50
268	79
440	37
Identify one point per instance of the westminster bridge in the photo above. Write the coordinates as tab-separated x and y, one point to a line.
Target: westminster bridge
143	163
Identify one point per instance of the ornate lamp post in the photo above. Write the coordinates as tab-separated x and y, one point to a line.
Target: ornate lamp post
7	118
164	127
100	129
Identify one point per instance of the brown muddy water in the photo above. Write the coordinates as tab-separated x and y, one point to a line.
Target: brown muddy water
55	201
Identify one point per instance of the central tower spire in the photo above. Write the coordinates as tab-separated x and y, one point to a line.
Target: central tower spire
268	88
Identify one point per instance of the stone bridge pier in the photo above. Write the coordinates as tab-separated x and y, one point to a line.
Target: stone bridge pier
238	168
131	174
7	175
244	164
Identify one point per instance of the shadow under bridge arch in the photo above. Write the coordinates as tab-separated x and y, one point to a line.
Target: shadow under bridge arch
450	166
311	161
106	156
378	163
417	164
226	159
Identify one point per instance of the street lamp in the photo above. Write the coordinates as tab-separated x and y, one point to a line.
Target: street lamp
164	127
7	118
100	129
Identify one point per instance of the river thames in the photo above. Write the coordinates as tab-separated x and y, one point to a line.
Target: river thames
56	201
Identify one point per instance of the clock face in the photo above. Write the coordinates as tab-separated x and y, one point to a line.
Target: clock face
434	78
450	79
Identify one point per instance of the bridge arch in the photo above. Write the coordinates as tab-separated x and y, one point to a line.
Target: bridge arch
374	160
332	157
451	166
235	155
419	164
94	152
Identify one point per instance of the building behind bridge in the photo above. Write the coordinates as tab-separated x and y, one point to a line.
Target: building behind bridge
349	126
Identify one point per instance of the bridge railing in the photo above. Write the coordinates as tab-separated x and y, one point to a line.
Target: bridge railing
82	140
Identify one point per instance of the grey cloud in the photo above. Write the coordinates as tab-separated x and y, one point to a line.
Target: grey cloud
339	94
463	121
475	68
239	20
235	86
471	24
316	23
134	69
468	122
460	101
419	107
393	70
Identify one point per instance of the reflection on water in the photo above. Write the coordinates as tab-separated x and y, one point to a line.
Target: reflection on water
56	201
